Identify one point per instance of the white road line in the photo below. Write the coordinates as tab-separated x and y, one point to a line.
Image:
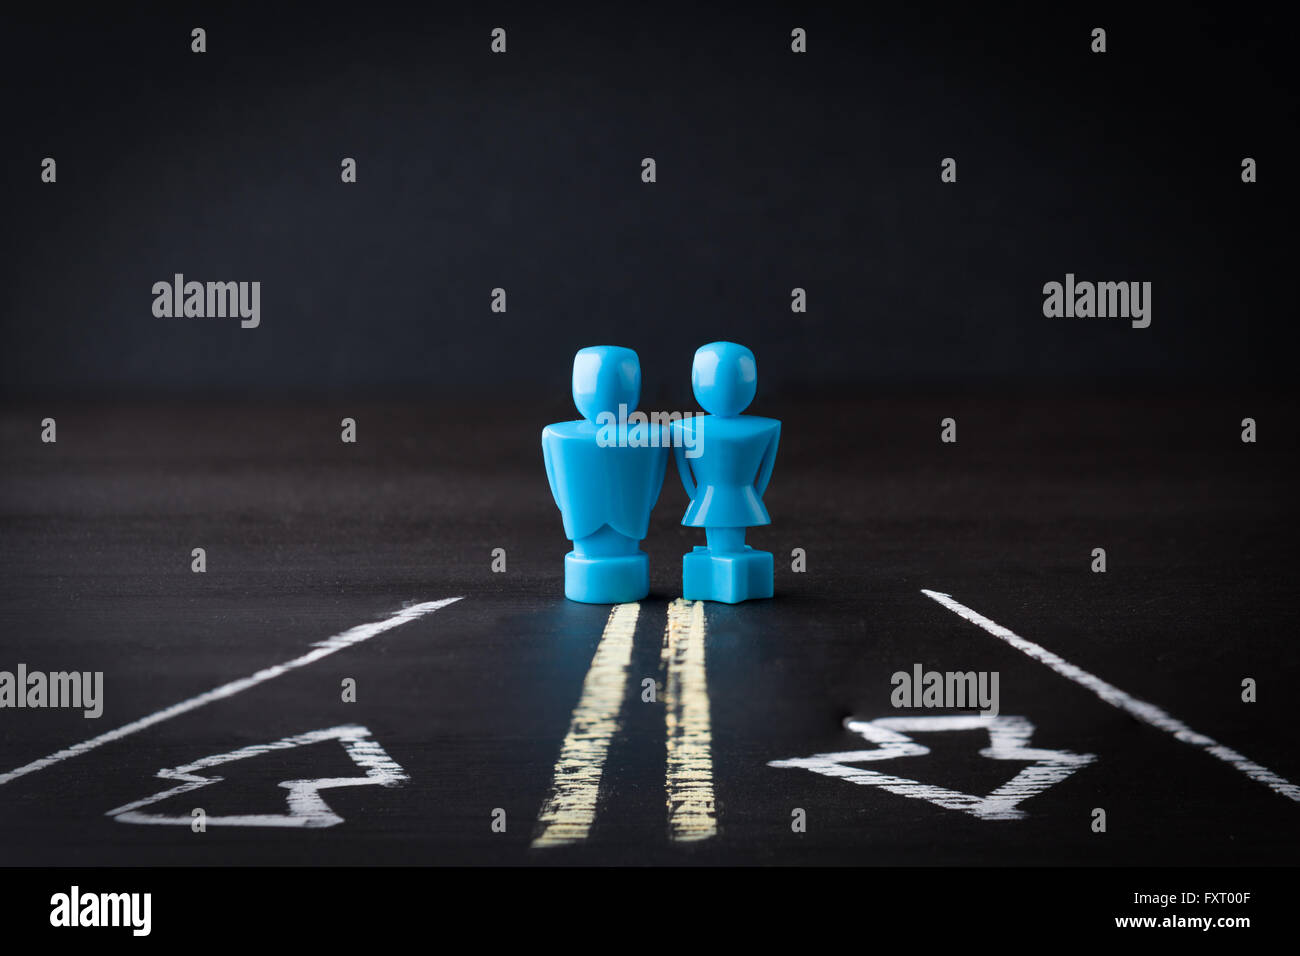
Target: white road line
1147	713
355	635
570	807
689	779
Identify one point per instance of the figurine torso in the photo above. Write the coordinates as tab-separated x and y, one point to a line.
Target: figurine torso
731	454
597	485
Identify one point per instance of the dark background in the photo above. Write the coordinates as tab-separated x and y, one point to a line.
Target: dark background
522	171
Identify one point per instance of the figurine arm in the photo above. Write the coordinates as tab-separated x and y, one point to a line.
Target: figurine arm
547	441
661	471
769	461
684	469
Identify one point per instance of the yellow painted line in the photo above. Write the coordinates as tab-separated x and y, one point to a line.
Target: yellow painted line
689	779
570	807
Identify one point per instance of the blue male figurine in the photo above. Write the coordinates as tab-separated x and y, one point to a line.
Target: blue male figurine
726	474
606	475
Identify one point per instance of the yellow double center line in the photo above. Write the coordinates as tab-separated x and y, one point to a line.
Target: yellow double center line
689	780
569	811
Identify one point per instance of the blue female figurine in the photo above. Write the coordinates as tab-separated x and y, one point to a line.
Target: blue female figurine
725	460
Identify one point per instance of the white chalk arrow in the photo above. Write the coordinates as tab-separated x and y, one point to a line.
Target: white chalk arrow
306	808
1008	737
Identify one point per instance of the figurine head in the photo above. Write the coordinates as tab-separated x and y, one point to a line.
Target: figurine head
725	378
604	377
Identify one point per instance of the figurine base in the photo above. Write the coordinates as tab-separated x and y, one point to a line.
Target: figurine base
729	577
609	580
